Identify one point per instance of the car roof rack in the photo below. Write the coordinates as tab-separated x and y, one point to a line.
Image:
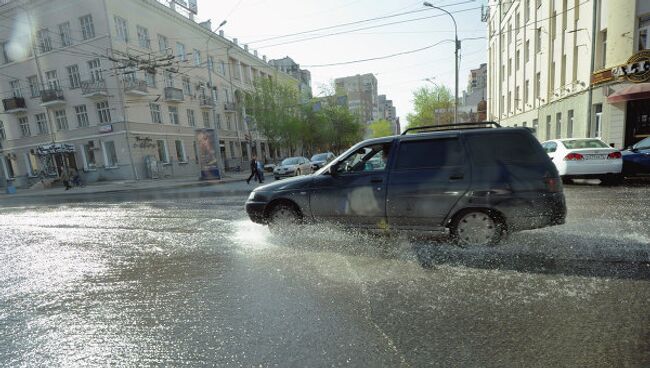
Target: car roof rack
477	125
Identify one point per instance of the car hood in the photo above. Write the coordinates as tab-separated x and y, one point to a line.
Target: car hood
299	182
286	166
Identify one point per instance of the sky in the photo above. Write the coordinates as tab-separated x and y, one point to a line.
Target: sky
253	22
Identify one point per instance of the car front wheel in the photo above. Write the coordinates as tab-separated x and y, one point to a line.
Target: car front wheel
283	215
476	228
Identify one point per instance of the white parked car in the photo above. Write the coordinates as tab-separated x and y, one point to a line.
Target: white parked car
585	158
292	166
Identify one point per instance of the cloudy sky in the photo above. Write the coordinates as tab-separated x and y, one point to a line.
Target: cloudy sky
260	23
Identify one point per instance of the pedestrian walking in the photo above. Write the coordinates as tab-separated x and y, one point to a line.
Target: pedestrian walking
65	178
254	173
260	172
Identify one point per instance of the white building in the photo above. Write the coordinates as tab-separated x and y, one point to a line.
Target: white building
550	67
118	84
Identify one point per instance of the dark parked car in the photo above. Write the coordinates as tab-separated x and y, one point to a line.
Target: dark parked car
636	159
321	159
474	183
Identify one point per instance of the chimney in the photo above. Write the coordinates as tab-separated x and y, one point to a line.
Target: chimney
264	58
246	47
255	52
221	33
207	24
234	40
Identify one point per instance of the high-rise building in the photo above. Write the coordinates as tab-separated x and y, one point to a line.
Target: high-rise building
287	65
361	92
475	93
571	68
111	87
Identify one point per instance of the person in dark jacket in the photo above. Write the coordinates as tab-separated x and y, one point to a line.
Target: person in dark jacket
254	172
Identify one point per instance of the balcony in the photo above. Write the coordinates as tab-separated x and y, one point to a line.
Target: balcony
135	87
14	105
174	94
95	89
206	102
52	97
230	107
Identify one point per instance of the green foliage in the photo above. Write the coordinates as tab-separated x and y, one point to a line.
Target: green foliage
381	128
432	106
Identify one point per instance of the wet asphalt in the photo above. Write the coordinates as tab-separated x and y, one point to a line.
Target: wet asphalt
183	278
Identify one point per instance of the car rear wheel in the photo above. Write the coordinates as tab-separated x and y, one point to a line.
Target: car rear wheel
297	173
476	228
283	215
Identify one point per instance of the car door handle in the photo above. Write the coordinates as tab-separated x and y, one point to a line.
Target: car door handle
458	176
377	180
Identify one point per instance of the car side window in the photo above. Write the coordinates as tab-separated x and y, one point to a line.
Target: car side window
550	147
367	159
429	153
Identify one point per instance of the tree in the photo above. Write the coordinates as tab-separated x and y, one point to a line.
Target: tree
432	105
381	128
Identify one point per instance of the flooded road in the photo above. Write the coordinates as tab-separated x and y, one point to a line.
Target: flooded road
182	278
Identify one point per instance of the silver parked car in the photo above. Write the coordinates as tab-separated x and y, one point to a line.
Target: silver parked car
292	166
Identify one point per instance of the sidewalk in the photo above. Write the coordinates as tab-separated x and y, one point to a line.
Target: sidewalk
124	186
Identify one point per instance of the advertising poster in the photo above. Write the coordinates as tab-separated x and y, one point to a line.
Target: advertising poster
205	139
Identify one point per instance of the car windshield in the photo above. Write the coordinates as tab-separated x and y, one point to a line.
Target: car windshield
643	144
291	161
319	157
584	143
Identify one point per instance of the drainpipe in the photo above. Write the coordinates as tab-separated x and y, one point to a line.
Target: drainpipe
594	23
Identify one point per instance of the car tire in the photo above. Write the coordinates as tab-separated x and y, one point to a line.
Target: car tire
281	216
476	228
611	180
297	173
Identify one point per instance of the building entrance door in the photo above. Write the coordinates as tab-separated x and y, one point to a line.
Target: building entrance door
637	125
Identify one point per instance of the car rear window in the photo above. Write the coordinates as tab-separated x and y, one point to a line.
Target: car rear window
429	153
508	148
584	143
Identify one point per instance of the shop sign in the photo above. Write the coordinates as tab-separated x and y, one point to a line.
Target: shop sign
106	128
636	70
602	76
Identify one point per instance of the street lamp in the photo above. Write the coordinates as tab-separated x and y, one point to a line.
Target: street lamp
456	48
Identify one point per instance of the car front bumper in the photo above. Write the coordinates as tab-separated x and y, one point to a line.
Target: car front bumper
255	211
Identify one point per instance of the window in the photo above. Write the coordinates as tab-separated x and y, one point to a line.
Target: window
196	152
173	115
569	127
191	119
180	52
517	18
517	100
150	79
598	120
504	148
558	125
180	152
429	154
517	59
95	68
5	57
33	86
89	153
503	72
15	88
163	155
644	33
509	110
9	167
23	122
535	126
565	10
121	29
509	67
110	155
61	119
563	72
44	41
87	27
538	83
206	119
143	37
104	112
73	76
526	10
82	116
3	135
538	44
64	34
52	80
510	34
197	57
168	78
369	158
163	44
187	87
527	51
218	121
156	117
222	67
210	63
604	48
41	123
229	121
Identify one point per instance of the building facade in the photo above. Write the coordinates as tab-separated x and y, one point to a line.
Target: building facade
570	68
288	66
362	95
120	89
476	92
387	112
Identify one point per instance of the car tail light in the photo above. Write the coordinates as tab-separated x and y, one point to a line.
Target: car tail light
614	155
573	157
553	185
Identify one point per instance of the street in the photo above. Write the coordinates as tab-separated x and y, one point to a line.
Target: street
182	278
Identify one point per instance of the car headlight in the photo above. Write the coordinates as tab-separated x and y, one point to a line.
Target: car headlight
251	196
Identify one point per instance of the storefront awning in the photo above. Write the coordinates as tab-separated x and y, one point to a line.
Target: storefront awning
48	149
639	91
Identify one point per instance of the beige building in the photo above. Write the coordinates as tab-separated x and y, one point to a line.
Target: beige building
119	89
362	96
550	67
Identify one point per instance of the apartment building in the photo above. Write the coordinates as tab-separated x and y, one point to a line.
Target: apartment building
570	68
112	87
474	96
362	97
287	65
387	111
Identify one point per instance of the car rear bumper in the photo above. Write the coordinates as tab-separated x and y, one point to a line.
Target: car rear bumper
551	211
255	211
586	167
